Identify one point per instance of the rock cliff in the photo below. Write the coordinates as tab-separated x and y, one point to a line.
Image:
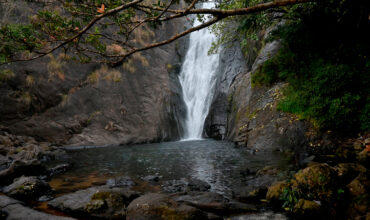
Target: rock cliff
59	100
247	114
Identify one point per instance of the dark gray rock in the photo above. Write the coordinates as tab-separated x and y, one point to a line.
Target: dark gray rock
152	178
231	64
214	203
23	155
254	121
16	210
25	188
101	202
18	168
61	168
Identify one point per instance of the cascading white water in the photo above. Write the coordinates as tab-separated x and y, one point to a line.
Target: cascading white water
198	78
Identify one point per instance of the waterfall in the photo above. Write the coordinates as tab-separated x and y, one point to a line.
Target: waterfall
198	79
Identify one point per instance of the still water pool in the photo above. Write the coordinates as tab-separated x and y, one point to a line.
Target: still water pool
218	163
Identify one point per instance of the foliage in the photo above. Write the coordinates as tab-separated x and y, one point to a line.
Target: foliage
290	197
246	26
16	38
328	75
62	20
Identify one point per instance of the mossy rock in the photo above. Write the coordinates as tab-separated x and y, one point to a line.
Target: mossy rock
364	157
347	171
25	188
275	191
96	206
307	208
359	197
317	182
157	206
359	186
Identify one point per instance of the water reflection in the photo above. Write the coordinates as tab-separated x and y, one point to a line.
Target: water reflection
216	162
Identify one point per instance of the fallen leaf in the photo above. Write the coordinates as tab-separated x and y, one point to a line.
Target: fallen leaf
101	9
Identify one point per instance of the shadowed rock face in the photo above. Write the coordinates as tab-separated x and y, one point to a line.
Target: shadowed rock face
254	120
247	115
65	103
231	63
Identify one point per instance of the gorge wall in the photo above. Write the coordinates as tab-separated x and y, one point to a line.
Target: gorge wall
247	114
61	101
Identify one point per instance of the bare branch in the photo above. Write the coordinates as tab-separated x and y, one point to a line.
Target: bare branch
218	14
173	38
85	29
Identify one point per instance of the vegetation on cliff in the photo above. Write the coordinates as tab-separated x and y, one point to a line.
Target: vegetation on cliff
325	60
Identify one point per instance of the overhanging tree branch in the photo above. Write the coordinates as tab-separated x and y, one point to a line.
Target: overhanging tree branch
165	14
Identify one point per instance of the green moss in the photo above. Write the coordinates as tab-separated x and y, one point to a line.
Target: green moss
101	196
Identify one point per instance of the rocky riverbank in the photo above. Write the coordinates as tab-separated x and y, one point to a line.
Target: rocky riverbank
332	184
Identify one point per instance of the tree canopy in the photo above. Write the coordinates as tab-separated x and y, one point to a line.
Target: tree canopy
107	31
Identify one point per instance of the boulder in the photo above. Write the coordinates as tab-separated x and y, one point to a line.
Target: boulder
21	167
61	168
347	171
100	202
275	191
155	206
319	180
359	186
307	209
25	188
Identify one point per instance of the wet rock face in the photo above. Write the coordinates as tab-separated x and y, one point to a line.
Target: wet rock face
253	120
135	104
231	64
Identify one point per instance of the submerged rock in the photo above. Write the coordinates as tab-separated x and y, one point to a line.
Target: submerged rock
25	188
12	209
184	185
122	181
101	202
215	203
61	168
152	178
